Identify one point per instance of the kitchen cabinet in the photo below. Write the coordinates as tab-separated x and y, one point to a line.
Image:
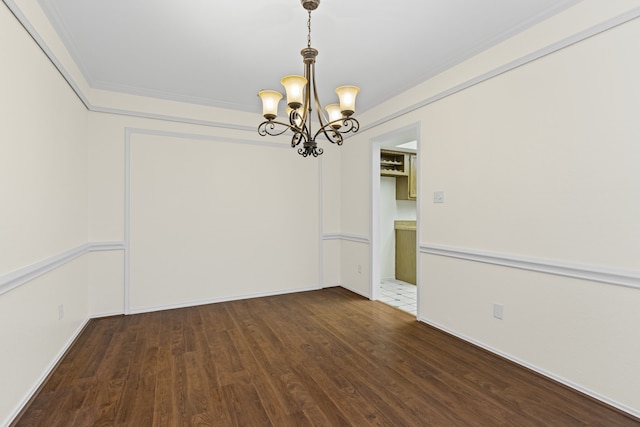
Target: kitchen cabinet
406	251
403	166
406	186
394	163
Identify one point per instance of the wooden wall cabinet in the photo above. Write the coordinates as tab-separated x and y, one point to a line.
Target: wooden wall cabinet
402	166
394	163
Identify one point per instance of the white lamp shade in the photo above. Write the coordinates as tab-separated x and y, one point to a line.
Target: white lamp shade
334	114
294	85
347	95
270	101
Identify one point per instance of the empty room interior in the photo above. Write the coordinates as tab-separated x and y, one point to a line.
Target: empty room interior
168	258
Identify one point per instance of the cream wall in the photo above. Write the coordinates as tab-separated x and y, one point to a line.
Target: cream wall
214	220
534	144
43	191
43	163
331	177
355	217
106	282
563	129
208	213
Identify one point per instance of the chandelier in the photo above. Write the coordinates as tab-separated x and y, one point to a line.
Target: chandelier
302	97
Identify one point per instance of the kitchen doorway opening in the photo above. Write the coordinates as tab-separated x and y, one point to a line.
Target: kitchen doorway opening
395	217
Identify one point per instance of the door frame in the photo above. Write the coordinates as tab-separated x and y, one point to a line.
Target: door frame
374	233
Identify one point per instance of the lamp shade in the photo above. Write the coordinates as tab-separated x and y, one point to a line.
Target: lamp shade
347	95
334	114
270	100
294	85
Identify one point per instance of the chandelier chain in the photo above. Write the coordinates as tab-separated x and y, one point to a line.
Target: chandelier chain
309	28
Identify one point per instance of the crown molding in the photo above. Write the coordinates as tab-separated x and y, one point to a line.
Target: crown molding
526	59
85	99
554	47
168	118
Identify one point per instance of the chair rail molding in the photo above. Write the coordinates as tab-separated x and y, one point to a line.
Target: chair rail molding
347	237
630	279
19	277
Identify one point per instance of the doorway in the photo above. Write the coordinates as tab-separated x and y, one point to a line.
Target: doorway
395	213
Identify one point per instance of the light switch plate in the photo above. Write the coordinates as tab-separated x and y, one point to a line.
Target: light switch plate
438	197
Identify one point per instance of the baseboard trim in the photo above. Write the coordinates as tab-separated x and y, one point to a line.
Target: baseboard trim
151	309
630	279
107	314
26	401
354	290
26	274
592	394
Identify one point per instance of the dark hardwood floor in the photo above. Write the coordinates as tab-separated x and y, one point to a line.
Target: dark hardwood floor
328	357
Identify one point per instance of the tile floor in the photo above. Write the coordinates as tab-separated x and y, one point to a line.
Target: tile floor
399	294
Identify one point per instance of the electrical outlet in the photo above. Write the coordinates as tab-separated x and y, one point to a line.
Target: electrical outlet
359	268
60	311
438	197
498	311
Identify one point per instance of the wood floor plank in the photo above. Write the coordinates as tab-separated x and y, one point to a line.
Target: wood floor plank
244	405
320	358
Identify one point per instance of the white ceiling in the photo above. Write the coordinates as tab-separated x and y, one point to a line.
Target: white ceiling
222	52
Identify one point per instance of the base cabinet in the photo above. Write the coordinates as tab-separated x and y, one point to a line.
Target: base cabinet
406	251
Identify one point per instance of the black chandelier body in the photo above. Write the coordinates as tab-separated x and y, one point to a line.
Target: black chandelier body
300	89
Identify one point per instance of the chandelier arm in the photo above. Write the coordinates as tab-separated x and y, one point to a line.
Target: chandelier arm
268	127
297	122
349	124
334	135
298	137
